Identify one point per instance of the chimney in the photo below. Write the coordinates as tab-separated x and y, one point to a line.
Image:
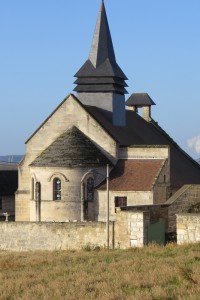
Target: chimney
141	100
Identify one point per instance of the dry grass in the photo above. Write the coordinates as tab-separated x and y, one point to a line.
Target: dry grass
171	272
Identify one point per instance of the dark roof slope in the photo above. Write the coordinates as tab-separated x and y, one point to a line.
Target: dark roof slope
71	149
8	182
184	170
134	175
138	132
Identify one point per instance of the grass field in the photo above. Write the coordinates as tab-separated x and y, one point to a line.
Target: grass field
154	272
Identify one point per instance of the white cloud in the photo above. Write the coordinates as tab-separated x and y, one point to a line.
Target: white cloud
194	143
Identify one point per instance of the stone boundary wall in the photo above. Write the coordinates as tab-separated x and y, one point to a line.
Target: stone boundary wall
155	211
24	236
130	229
188	228
180	202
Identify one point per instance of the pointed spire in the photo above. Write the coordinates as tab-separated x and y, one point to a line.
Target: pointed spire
101	73
102	5
102	46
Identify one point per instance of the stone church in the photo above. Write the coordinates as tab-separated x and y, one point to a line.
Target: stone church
63	173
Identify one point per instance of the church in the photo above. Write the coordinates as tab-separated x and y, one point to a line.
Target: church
63	175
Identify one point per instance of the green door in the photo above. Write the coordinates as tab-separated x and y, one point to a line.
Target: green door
156	232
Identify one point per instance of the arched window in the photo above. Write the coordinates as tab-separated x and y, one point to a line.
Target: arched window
32	189
90	189
56	189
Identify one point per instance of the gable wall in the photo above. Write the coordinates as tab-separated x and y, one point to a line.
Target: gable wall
68	114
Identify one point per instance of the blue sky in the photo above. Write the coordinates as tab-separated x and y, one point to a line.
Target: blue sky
44	43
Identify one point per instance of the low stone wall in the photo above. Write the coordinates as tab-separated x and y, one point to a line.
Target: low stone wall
130	229
156	212
23	236
188	228
181	202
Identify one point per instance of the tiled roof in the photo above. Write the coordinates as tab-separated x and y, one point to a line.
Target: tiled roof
8	182
183	169
71	149
134	175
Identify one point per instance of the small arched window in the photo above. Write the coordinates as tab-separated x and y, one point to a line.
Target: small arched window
56	189
32	189
90	189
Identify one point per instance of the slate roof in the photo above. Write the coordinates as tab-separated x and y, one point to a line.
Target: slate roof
134	175
138	132
139	99
8	182
101	64
71	149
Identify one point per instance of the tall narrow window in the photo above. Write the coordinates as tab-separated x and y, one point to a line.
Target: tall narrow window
90	189
56	189
32	189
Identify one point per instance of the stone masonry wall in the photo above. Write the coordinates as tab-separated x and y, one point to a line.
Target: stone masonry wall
188	228
161	184
133	198
158	152
69	207
61	120
130	229
180	202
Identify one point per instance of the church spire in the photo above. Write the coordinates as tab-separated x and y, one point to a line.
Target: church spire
101	61
102	46
100	81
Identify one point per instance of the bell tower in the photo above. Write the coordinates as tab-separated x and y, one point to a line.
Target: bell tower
100	81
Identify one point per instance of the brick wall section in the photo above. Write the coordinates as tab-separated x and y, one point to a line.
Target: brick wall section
188	228
130	229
